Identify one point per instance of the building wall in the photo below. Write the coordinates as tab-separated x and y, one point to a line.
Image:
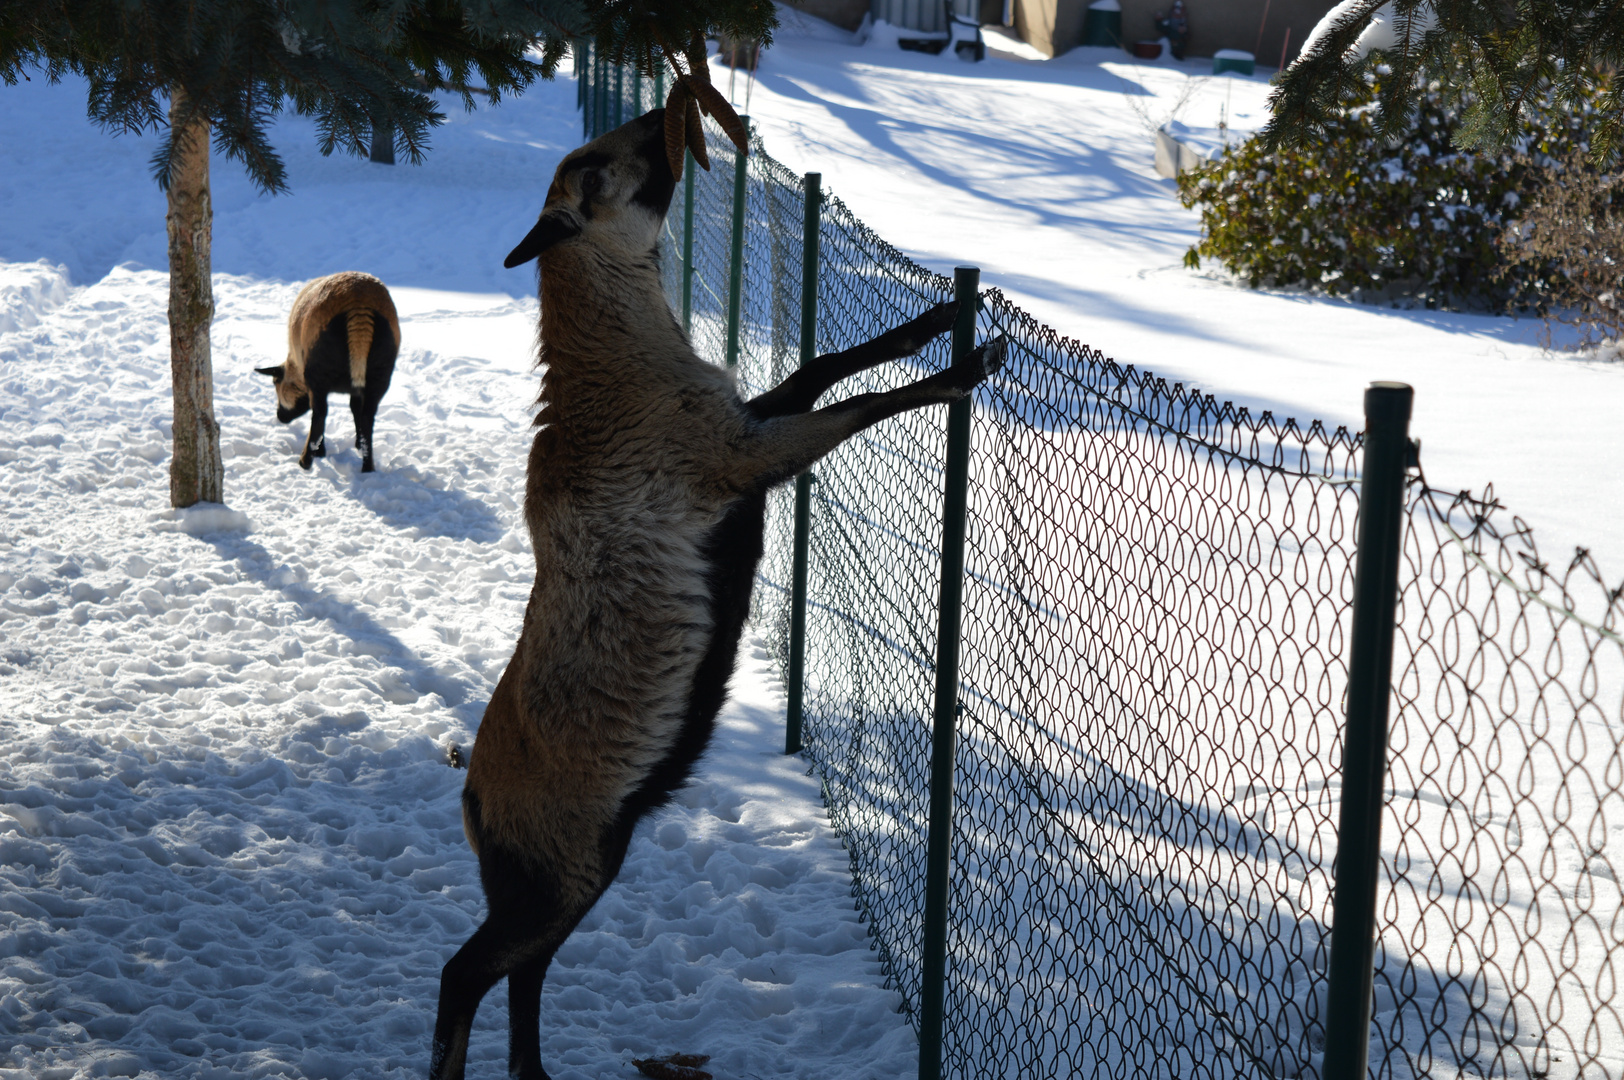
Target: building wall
847	14
926	16
1053	26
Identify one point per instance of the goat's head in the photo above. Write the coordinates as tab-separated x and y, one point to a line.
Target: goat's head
292	396
613	193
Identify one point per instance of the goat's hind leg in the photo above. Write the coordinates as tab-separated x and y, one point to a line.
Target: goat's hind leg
364	409
532	912
524	1019
526	976
519	934
516	943
801	390
464	981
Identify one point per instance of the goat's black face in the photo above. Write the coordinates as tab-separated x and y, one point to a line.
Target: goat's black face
613	192
292	401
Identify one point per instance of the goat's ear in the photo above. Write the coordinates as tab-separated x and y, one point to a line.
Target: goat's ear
273	372
551	229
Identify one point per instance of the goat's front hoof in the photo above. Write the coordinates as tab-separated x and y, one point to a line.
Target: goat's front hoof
985	360
993	354
915	334
366	465
304	461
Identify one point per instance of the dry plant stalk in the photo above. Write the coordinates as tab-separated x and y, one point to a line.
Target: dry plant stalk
1574	229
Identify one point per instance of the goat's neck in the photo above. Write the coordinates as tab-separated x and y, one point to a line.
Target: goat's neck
611	346
597	315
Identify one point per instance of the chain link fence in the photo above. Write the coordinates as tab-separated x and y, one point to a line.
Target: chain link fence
1500	924
1153	673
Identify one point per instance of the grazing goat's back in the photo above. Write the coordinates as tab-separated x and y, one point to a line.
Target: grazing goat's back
355	296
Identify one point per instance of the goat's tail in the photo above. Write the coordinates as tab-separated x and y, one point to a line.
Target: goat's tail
359	328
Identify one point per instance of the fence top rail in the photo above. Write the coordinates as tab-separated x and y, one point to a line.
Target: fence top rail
1468	522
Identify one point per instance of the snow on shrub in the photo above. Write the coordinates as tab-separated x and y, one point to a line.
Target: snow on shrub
1415	218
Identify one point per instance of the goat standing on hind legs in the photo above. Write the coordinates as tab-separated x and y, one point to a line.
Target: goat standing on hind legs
645	500
343	337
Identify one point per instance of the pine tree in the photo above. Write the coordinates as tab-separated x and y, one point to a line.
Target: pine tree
219	72
1511	52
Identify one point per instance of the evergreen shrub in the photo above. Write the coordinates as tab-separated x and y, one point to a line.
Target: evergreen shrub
1415	218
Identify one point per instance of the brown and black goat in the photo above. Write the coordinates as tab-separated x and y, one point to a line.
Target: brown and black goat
645	498
343	337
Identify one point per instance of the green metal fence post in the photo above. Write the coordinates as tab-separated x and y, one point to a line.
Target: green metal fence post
939	837
1364	746
659	87
796	677
620	95
735	269
597	94
600	118
589	68
580	79
689	166
637	92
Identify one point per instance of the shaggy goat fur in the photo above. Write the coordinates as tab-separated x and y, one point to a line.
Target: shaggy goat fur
645	498
343	337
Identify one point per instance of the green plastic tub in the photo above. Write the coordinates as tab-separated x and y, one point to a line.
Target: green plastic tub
1241	63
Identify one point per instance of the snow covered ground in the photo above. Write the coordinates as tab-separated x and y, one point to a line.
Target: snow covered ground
230	844
229	841
1043	175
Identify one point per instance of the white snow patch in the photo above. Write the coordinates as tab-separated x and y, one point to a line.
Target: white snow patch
1608	352
28	291
202	519
1380	32
1002	43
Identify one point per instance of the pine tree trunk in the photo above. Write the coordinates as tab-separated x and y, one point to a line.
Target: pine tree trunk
196	473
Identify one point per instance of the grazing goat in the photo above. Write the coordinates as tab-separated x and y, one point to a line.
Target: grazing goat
343	336
645	498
